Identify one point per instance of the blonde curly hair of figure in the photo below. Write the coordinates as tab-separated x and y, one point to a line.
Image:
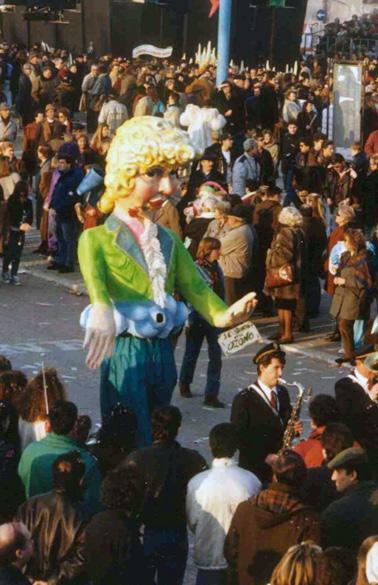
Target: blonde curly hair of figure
290	217
139	144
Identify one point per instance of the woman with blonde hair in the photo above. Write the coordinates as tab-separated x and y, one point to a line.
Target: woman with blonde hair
367	562
283	281
314	200
301	565
101	140
34	404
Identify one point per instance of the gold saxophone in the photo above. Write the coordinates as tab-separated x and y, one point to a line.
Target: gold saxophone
290	433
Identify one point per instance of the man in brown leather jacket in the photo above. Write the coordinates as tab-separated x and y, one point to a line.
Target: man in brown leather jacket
56	523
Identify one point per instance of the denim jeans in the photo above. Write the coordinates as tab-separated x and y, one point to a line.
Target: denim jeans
165	553
211	577
195	335
66	233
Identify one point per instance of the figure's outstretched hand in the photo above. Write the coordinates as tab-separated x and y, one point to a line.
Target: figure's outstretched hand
238	312
100	334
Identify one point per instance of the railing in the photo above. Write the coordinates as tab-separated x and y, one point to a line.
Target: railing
342	46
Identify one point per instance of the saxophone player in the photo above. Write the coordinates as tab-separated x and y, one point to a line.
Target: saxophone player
357	399
261	413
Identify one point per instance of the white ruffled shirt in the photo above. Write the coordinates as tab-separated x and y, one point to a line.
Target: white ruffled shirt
146	234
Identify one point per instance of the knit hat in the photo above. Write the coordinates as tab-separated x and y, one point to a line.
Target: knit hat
372	564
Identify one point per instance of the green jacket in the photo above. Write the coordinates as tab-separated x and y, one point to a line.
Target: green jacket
114	268
35	468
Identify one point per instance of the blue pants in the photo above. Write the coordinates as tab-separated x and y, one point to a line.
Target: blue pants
66	233
165	553
288	186
195	335
359	330
141	374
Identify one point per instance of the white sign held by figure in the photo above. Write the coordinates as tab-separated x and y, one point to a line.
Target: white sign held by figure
239	337
153	51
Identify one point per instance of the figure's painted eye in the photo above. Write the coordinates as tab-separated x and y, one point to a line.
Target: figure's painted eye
155	172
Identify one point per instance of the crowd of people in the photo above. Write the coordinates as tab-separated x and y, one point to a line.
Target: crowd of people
354	38
270	207
82	508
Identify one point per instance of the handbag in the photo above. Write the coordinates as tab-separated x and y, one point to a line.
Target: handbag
277	277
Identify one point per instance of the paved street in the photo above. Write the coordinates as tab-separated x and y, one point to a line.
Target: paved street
40	324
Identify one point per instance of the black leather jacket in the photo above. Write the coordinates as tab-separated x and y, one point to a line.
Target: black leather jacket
56	525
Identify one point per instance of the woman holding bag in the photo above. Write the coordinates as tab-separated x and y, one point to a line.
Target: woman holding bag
284	270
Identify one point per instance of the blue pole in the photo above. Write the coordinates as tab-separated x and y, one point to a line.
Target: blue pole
224	35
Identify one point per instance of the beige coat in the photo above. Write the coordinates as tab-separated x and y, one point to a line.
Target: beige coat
236	252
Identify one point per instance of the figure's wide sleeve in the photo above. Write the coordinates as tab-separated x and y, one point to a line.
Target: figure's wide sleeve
93	267
194	288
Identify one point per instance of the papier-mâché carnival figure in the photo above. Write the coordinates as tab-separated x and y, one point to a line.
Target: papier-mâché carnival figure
132	266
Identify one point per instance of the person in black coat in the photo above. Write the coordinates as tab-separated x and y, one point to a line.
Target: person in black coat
19	220
369	194
11	488
265	160
165	469
356	397
207	171
289	150
261	413
113	552
231	106
24	102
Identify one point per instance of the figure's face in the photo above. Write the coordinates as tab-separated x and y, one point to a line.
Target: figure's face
155	181
292	129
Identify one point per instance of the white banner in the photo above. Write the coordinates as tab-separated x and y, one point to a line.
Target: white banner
153	51
239	337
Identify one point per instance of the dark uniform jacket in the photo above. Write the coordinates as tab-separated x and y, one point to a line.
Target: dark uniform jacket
360	413
56	525
260	428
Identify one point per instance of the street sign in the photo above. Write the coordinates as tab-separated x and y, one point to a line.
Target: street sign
321	14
